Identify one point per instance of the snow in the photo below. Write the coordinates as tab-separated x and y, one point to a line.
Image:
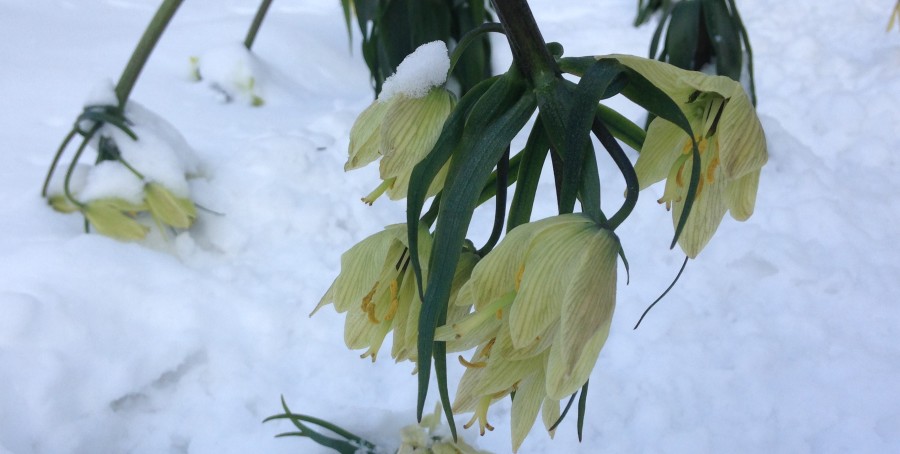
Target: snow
781	337
426	67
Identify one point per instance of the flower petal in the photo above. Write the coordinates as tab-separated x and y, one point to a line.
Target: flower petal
550	414
664	76
742	142
741	195
662	147
410	129
361	267
586	315
525	407
365	136
706	214
548	272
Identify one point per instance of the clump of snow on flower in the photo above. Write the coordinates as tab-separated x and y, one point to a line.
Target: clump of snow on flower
111	179
234	71
426	67
160	154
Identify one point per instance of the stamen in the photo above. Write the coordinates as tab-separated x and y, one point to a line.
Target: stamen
395	302
475	365
377	192
499	314
711	170
486	352
475	319
367	300
371	313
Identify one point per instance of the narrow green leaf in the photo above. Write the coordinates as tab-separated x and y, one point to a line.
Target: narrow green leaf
478	153
501	185
348	12
621	127
725	38
564	413
533	156
424	172
657	34
682	34
739	24
592	86
582	406
632	187
469	38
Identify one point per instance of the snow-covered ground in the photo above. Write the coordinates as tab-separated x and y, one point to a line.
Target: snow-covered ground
781	337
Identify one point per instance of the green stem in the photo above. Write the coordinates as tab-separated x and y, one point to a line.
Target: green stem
257	22
144	47
500	209
469	37
84	143
526	42
59	152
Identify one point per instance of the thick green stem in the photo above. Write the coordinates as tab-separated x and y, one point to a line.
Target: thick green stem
257	22
142	52
526	42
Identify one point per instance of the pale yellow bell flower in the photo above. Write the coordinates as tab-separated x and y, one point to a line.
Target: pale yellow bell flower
109	217
543	299
730	139
401	131
167	208
377	290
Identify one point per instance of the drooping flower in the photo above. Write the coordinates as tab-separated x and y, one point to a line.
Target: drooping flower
167	208
730	139
115	218
377	289
403	125
543	300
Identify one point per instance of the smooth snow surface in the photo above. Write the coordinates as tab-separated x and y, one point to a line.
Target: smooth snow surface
426	67
782	337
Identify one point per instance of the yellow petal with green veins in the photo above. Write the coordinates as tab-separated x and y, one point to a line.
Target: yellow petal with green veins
110	221
410	129
525	407
664	143
741	196
168	209
365	136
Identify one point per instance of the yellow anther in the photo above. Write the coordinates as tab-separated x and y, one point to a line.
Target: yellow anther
481	415
486	352
476	365
371	313
499	314
711	170
367	300
395	302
